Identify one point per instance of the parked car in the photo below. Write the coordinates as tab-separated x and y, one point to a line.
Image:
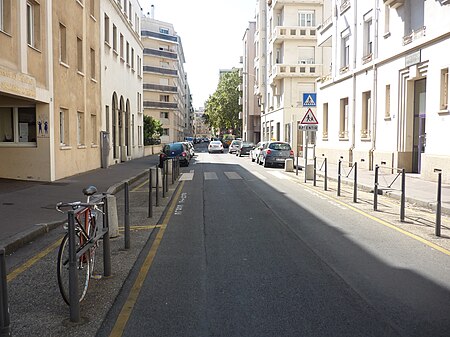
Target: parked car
275	153
175	150
244	148
234	145
254	154
191	148
215	146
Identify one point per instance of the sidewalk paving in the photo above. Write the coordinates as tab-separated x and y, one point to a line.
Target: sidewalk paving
28	208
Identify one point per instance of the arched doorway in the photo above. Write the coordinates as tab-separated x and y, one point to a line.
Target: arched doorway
127	128
114	112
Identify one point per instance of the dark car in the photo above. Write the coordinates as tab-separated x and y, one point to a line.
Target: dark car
275	153
244	148
175	150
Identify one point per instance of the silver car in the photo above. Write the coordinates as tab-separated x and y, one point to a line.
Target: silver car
275	154
255	152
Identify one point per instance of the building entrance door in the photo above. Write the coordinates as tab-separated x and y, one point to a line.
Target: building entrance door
419	136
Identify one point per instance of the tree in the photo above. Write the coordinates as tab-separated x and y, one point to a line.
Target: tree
152	130
222	107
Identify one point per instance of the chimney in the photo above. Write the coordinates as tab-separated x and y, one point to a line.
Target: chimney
152	12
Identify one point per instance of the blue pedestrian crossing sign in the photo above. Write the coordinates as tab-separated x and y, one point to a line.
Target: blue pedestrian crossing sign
309	99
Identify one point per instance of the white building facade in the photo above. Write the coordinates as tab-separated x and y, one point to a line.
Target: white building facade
287	64
384	100
122	82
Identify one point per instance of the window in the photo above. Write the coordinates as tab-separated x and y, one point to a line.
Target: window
287	133
164	114
444	89
387	11
115	38
93	64
306	55
80	128
345	59
366	115
62	43
165	132
368	37
128	53
343	120
63	127
93	129
164	31
387	108
121	47
306	19
164	65
33	24
325	121
107	117
132	58
5	15
18	125
79	54
164	98
106	29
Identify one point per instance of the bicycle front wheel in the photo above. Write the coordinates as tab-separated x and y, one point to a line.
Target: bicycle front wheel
83	268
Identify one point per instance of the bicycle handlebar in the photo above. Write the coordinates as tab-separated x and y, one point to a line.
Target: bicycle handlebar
77	204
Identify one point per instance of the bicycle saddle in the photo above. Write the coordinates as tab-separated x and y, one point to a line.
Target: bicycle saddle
90	190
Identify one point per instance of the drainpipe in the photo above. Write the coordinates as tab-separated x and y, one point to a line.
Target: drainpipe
375	88
355	41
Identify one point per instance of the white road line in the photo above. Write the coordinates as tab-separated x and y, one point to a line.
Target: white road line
210	175
232	175
187	176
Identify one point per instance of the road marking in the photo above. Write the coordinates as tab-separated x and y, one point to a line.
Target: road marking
187	176
128	306
232	175
210	175
28	264
121	228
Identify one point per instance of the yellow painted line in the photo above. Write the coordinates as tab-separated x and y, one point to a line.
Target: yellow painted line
382	222
127	308
139	186
29	263
140	227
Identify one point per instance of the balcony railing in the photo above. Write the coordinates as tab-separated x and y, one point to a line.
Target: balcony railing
160	70
160	87
325	25
162	53
367	58
415	34
160	105
295	70
344	6
147	33
278	4
294	32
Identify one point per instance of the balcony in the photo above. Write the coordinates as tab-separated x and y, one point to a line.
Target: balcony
415	34
160	105
283	33
394	3
164	71
344	6
147	33
279	4
160	87
280	71
162	53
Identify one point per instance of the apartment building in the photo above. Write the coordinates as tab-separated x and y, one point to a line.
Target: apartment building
166	94
251	111
287	64
384	100
201	129
49	88
122	80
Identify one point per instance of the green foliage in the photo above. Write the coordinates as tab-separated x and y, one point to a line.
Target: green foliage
152	129
222	108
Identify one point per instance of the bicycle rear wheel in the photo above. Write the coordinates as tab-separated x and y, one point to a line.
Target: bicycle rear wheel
83	268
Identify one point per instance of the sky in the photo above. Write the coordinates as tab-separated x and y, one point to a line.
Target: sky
211	33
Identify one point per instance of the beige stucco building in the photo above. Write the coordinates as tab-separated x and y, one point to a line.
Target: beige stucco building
166	92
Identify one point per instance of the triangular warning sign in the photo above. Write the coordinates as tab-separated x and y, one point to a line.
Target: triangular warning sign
309	101
309	118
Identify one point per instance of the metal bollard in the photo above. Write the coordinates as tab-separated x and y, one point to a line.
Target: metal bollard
127	215
106	240
164	179
339	178
325	185
74	301
375	189
150	202
173	171
355	183
403	197
296	165
315	172
157	185
439	205
4	307
167	177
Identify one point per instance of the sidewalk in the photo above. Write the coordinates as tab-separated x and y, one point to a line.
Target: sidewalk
419	192
28	208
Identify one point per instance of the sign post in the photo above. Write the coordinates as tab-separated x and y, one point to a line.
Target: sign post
309	123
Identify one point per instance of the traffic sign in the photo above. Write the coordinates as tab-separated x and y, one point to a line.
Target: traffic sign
309	118
308	127
309	99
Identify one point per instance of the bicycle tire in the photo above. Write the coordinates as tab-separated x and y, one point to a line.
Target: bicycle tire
83	267
92	232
